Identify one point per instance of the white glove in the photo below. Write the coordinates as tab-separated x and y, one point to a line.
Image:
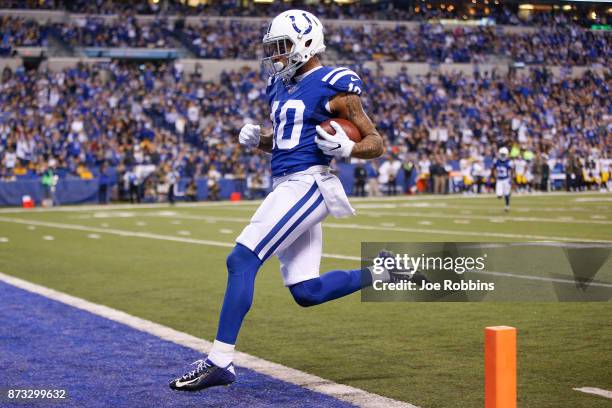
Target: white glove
249	135
337	145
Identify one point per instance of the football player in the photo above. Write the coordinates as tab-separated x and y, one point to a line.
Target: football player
520	171
605	166
502	171
302	93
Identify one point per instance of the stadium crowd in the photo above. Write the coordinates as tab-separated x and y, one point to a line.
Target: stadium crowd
19	32
566	45
381	10
427	43
149	125
94	31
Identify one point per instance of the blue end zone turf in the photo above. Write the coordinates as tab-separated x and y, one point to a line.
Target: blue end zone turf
46	344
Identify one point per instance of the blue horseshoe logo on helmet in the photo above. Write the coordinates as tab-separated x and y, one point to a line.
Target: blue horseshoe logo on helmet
295	27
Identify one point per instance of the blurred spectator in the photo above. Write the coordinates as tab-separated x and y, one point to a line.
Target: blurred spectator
408	167
172	179
132	182
388	172
439	176
240	179
191	193
373	186
49	182
103	184
360	175
214	177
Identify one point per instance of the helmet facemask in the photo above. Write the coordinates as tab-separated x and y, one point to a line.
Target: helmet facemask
280	58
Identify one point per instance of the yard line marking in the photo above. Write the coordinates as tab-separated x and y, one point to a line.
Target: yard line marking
592	199
122	233
382	227
559	220
147	235
312	382
112	207
208	218
539	278
595	391
586	197
460	233
346	226
231	245
561	208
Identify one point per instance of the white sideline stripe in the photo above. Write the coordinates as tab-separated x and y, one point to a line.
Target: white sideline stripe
231	245
595	391
341	392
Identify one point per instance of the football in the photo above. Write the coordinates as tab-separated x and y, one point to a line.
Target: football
351	130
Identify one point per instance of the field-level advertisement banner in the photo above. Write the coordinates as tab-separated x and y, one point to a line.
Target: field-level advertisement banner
480	271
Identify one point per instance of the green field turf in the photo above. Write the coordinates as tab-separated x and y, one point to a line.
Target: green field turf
429	354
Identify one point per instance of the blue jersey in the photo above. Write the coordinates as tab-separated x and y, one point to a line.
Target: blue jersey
296	109
502	169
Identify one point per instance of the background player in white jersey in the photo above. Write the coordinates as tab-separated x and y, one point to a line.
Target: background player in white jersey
502	171
520	171
302	94
605	166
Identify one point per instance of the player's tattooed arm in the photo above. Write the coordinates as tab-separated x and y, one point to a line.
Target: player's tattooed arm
348	106
265	140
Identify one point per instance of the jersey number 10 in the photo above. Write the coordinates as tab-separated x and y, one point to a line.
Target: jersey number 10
288	121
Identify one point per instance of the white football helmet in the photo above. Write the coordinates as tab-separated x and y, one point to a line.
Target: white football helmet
293	37
503	152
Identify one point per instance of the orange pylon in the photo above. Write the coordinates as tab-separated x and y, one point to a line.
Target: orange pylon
500	367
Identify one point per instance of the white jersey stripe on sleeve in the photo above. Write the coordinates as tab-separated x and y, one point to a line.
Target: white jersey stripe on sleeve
342	74
332	72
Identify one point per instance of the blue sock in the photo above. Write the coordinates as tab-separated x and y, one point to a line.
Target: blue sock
329	286
242	267
507	199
